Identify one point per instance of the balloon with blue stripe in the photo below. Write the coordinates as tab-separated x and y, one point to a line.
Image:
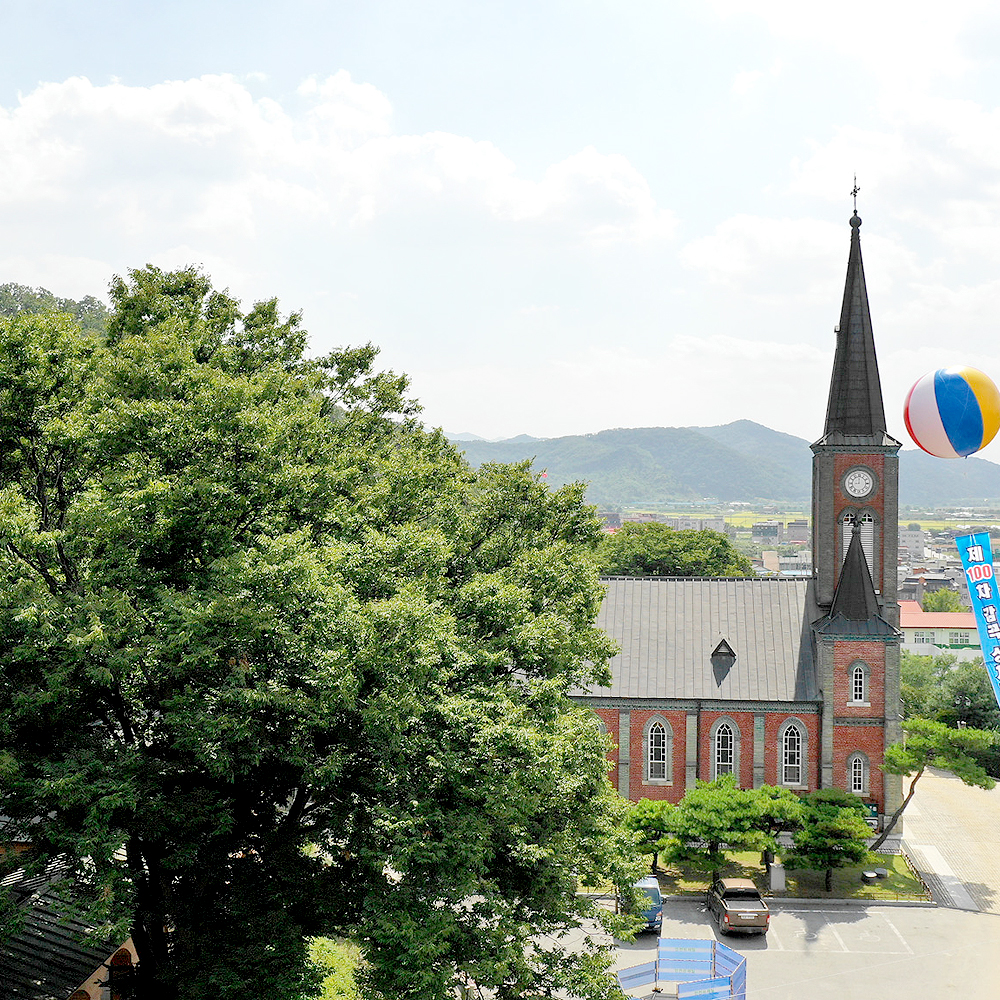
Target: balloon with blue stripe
953	412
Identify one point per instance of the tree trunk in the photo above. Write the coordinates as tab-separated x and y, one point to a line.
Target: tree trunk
829	880
148	925
899	812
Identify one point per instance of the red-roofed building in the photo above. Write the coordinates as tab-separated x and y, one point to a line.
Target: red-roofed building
931	632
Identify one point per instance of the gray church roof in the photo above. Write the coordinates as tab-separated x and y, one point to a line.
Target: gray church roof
669	628
54	949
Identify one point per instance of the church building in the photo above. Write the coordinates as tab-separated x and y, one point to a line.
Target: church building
789	682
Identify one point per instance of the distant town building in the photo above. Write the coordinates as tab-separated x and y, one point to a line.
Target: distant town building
797	531
911	544
767	532
928	633
697	523
799	565
920	583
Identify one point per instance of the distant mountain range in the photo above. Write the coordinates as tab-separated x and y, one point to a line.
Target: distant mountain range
738	461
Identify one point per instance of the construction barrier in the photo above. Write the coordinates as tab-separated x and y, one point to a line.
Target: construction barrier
702	970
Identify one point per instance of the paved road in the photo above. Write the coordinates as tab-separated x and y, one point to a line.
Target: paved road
951	833
852	953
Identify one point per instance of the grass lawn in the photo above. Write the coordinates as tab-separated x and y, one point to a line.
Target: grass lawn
902	881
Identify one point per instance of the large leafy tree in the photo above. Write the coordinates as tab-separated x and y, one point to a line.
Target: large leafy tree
276	662
653	549
713	819
927	743
832	833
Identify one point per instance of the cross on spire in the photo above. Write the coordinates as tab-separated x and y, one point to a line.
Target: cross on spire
854	193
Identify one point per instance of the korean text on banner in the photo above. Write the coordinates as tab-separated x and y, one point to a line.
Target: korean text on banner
977	561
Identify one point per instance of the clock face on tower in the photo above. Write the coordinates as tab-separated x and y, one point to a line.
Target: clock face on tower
859	483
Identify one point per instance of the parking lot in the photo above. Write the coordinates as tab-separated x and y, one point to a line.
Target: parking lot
850	952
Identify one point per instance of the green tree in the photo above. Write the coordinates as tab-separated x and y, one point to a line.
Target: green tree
337	963
948	690
965	697
277	663
649	819
833	833
944	599
654	549
779	809
714	818
16	300
920	678
928	743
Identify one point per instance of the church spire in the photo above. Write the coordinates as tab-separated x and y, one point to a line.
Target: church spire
855	409
855	598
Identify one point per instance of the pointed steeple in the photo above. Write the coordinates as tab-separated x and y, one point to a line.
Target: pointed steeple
855	598
855	610
854	412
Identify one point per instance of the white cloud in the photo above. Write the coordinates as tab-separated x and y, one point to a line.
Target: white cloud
905	47
202	162
763	257
747	81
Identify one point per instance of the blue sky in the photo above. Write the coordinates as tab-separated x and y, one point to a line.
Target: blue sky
555	217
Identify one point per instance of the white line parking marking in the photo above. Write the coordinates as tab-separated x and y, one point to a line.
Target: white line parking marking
902	940
840	940
851	937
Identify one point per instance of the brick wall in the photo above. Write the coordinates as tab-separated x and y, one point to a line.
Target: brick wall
864	739
845	654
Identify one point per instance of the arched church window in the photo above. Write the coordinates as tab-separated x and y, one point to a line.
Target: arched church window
659	747
858	680
793	753
725	749
857	774
791	756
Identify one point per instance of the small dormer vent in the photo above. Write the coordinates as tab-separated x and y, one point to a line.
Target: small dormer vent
723	658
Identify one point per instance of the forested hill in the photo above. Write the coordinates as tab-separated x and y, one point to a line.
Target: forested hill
738	461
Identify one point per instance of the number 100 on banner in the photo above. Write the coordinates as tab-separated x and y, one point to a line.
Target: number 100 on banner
977	561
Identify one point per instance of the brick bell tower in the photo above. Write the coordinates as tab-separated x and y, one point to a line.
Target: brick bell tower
855	539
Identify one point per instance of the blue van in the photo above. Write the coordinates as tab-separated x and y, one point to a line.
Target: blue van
653	911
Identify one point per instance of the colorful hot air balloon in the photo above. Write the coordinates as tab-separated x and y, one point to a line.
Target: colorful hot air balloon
953	412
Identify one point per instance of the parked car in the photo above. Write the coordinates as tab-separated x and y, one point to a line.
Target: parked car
737	905
653	912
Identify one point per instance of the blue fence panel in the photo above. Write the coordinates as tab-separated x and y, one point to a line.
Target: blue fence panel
726	960
683	958
740	983
706	989
637	975
688	947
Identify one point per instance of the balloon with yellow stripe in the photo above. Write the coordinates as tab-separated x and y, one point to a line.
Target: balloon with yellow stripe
953	412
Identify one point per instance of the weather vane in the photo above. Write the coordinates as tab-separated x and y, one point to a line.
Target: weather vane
854	192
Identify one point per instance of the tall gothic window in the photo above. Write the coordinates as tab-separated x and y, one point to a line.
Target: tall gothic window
857	773
858	684
725	750
791	756
657	752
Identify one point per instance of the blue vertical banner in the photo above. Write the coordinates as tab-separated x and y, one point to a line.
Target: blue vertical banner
977	561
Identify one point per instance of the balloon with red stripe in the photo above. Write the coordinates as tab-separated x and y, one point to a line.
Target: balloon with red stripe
953	412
